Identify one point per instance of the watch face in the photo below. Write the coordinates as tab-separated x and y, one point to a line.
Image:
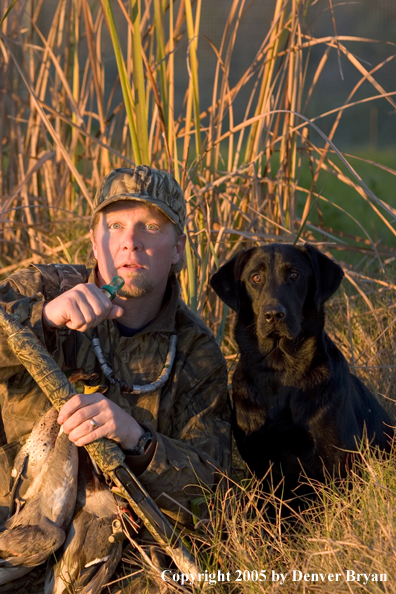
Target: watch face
147	438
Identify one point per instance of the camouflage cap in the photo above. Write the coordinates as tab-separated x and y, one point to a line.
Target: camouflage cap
143	184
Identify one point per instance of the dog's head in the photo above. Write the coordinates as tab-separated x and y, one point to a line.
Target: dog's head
284	285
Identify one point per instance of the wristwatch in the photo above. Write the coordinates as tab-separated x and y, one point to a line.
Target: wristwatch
142	445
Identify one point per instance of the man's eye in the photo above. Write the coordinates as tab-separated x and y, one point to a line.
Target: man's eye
152	227
256	278
115	226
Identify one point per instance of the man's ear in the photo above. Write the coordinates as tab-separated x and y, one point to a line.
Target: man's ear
180	246
328	274
226	281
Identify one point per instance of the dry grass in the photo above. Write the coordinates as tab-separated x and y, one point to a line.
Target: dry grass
349	530
362	326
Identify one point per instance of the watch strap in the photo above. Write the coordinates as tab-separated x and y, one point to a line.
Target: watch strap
142	445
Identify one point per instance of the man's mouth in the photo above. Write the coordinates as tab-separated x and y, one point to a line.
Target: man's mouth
130	266
130	271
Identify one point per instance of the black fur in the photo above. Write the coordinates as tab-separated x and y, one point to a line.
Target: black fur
295	403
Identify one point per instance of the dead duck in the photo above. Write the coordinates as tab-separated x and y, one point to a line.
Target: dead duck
88	559
46	505
29	463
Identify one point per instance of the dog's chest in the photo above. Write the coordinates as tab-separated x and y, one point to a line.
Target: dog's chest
277	405
271	393
277	437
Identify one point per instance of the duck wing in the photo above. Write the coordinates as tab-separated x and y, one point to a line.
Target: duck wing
25	546
103	571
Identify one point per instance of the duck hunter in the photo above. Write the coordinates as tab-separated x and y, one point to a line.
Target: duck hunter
151	377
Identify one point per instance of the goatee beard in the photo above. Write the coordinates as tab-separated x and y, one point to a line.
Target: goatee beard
141	287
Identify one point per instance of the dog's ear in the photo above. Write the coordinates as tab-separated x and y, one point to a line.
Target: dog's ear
328	274
226	281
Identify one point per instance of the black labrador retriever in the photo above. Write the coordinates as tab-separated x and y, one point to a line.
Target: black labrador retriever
295	404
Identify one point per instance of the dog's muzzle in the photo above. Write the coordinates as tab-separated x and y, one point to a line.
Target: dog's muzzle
274	319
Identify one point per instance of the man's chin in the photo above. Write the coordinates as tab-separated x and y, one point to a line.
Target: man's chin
138	288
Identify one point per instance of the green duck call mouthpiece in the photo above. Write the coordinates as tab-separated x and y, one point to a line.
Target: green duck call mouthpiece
110	290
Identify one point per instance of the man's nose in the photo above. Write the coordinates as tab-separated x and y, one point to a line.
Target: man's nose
132	240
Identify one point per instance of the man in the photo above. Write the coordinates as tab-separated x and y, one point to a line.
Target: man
174	436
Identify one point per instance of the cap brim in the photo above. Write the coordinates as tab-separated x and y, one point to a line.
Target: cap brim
139	198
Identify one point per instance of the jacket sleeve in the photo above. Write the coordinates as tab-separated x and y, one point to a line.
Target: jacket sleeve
22	297
198	449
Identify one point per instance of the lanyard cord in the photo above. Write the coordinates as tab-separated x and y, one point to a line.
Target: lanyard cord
131	388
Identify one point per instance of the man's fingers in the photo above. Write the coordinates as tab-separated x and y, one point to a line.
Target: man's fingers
81	314
88	437
80	308
87	313
111	420
86	432
78	402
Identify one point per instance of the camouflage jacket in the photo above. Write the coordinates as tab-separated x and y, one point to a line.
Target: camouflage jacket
189	414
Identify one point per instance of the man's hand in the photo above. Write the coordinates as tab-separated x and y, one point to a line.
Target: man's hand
111	420
82	307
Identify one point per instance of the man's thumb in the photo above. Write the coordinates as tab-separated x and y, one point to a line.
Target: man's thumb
115	312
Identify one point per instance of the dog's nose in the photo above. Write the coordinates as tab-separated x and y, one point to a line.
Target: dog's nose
274	313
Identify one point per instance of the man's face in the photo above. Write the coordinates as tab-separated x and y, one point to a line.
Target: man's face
136	242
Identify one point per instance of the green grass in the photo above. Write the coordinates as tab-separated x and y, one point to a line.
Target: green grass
343	212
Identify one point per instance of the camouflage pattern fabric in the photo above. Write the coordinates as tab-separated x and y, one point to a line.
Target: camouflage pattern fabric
190	414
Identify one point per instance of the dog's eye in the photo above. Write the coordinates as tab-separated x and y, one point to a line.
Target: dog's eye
294	275
256	278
